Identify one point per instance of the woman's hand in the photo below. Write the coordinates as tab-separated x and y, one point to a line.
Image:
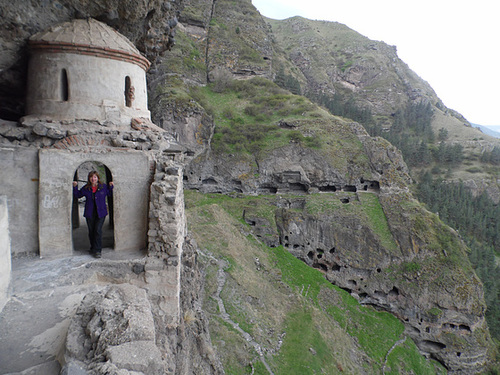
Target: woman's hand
75	183
111	183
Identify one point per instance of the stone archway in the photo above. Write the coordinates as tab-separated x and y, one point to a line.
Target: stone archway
79	228
132	175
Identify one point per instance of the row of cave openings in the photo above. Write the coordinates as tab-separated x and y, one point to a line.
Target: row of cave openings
79	227
64	89
368	186
318	260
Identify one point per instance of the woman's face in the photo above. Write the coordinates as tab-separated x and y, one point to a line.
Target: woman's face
94	179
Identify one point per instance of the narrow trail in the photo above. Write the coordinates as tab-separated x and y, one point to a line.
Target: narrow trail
399	342
221	281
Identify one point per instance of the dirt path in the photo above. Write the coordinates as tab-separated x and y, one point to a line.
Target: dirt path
221	281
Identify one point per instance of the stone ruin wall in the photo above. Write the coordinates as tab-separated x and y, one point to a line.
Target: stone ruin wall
40	154
146	164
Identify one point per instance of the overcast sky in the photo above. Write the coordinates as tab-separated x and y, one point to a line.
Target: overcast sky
452	44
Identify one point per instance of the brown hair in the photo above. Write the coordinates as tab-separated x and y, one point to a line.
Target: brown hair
89	184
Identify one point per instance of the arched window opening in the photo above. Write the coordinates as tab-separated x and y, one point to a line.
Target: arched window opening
129	92
64	86
78	222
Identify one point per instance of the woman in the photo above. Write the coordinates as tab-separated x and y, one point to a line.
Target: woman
95	212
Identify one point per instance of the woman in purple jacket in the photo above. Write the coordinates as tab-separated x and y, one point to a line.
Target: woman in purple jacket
95	212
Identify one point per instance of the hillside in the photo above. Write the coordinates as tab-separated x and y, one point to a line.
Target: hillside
267	140
356	223
268	309
307	250
343	68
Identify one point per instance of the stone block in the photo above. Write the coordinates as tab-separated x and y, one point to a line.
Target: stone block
141	356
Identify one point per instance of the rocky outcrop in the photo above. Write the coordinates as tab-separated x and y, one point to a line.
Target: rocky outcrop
383	247
337	60
113	330
195	353
188	123
437	296
298	169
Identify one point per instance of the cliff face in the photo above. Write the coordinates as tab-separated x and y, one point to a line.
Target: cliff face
423	281
310	153
349	213
339	199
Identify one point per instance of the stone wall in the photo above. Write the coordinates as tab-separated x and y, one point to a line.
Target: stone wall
167	230
131	175
86	89
5	264
19	166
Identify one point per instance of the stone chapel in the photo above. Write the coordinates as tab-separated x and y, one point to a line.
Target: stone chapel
87	102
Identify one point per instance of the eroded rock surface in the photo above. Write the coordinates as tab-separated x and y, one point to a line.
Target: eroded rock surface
434	292
114	329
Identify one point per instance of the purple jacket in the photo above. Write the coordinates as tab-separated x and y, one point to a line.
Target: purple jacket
102	192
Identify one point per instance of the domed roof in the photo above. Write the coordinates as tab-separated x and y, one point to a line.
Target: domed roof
88	36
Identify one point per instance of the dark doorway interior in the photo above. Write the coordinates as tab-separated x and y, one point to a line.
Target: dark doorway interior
78	222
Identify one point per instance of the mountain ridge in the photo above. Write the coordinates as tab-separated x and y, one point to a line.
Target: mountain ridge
488	130
268	166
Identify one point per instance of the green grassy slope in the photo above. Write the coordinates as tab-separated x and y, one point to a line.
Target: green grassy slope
301	322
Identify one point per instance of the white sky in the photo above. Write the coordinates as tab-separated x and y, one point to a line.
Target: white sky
453	44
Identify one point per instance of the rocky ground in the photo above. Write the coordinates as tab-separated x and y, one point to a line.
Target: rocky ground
45	294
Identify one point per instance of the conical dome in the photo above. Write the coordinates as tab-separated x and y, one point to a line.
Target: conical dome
88	36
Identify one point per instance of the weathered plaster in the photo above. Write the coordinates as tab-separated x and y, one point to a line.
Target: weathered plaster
5	261
131	176
90	97
19	166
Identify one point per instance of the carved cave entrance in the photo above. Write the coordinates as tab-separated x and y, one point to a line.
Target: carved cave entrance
78	221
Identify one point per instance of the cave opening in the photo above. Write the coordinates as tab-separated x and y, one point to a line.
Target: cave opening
328	189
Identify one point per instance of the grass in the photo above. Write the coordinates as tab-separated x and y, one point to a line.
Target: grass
366	324
323	329
376	331
246	114
305	281
364	206
304	350
378	221
403	359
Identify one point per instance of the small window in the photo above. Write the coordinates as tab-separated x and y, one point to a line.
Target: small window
64	86
129	92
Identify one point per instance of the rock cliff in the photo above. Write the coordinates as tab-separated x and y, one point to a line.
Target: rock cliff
358	224
339	199
397	275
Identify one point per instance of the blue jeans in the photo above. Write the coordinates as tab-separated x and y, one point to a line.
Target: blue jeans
94	224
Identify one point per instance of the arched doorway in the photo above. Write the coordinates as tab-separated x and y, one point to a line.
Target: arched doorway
78	222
